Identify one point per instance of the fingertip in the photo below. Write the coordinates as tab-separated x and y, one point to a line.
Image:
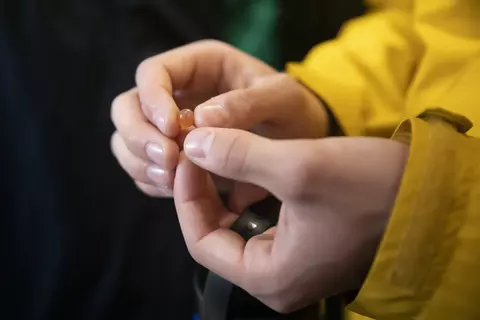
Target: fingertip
160	108
197	143
167	122
172	124
212	115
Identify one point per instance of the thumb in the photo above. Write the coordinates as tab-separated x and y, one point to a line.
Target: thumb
242	156
271	99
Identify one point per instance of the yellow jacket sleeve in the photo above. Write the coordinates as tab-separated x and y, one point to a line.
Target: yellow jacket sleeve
428	264
364	73
396	62
392	65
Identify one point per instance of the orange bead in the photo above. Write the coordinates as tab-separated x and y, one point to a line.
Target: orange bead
186	119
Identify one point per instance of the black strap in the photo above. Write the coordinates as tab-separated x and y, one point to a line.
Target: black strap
218	291
216	298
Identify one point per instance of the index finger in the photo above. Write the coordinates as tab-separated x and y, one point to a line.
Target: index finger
160	76
204	68
205	221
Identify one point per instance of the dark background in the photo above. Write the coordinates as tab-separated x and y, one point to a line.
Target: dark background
77	240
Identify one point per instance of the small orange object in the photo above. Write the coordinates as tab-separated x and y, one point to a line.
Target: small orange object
186	119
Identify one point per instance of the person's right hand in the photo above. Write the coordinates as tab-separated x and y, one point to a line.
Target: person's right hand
337	195
226	88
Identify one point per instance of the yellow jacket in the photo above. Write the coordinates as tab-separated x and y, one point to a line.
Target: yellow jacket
415	66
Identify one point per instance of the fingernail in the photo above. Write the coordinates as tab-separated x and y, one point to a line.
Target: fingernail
155	153
166	189
198	143
160	122
214	114
157	175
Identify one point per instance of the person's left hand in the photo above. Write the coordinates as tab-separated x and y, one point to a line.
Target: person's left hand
337	195
227	88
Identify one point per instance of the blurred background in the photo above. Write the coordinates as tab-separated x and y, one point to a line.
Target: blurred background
77	240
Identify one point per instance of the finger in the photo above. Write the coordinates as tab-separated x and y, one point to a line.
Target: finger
180	139
161	110
139	169
272	99
205	68
244	195
153	191
224	186
202	215
271	232
140	136
187	99
282	167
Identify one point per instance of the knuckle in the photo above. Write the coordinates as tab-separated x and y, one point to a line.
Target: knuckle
143	69
120	151
195	254
136	171
113	142
241	110
303	172
244	99
293	89
117	106
150	190
128	131
279	300
134	166
287	84
293	94
269	287
135	144
122	107
275	289
213	43
234	156
284	80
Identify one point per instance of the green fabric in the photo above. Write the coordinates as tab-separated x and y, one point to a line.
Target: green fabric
251	25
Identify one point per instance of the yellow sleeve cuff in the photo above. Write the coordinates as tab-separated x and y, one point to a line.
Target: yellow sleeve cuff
364	73
428	264
344	95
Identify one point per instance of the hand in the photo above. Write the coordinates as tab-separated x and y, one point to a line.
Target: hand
227	88
337	195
